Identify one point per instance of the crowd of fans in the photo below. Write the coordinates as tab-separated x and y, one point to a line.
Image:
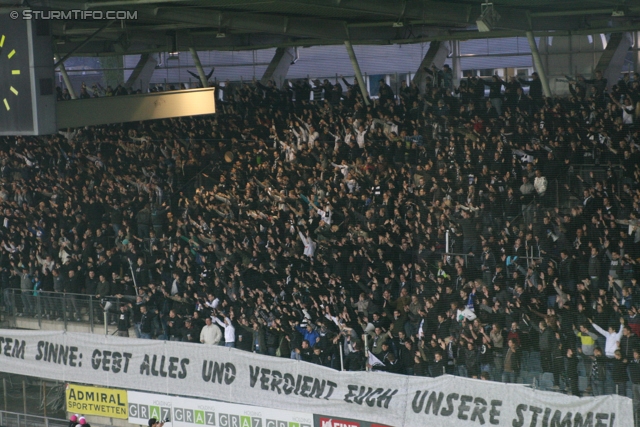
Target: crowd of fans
441	231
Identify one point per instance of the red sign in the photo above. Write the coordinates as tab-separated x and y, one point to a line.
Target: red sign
331	422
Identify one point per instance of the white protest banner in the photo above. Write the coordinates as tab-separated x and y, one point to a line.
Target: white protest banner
183	412
230	375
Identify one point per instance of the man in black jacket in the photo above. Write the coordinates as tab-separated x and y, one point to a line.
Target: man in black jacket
438	366
547	343
71	289
355	361
174	326
628	343
145	323
124	320
535	88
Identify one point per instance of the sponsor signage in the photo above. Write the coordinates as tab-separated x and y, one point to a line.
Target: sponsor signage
104	402
336	422
328	421
185	412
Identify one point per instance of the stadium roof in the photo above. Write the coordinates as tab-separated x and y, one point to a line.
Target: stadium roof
255	24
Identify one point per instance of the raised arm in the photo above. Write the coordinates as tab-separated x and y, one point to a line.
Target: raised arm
600	330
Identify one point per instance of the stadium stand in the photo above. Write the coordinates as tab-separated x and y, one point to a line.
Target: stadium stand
447	232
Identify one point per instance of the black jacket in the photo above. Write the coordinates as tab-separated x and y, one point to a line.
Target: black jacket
124	321
634	371
145	323
619	373
355	361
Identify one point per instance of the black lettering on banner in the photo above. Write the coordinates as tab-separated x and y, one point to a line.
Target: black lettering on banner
305	387
435	401
557	420
7	346
289	384
464	407
418	405
229	373
173	367
583	421
494	413
318	388
381	401
183	369
40	353
116	365
479	410
96	359
18	349
449	409
108	361
520	422
534	416
385	398
73	356
332	386
600	418
55	353
219	372
264	378
350	394
12	347
298	383
276	381
364	392
253	375
156	366
371	399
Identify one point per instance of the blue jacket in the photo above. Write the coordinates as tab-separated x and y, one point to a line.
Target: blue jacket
309	336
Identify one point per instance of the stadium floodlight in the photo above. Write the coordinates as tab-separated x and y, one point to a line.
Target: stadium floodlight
488	18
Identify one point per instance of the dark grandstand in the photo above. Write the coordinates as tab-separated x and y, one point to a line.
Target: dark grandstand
303	226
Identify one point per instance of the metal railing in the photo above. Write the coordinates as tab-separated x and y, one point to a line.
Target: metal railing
66	308
13	419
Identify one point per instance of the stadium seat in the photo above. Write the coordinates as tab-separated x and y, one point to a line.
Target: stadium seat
545	381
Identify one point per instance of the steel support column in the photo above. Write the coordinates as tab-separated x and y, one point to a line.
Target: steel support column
65	78
436	55
198	64
141	75
356	69
279	66
537	61
455	62
612	59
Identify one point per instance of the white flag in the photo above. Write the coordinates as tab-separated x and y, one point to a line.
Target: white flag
374	361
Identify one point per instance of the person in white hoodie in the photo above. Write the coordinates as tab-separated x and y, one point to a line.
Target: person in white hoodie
612	338
309	245
229	331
